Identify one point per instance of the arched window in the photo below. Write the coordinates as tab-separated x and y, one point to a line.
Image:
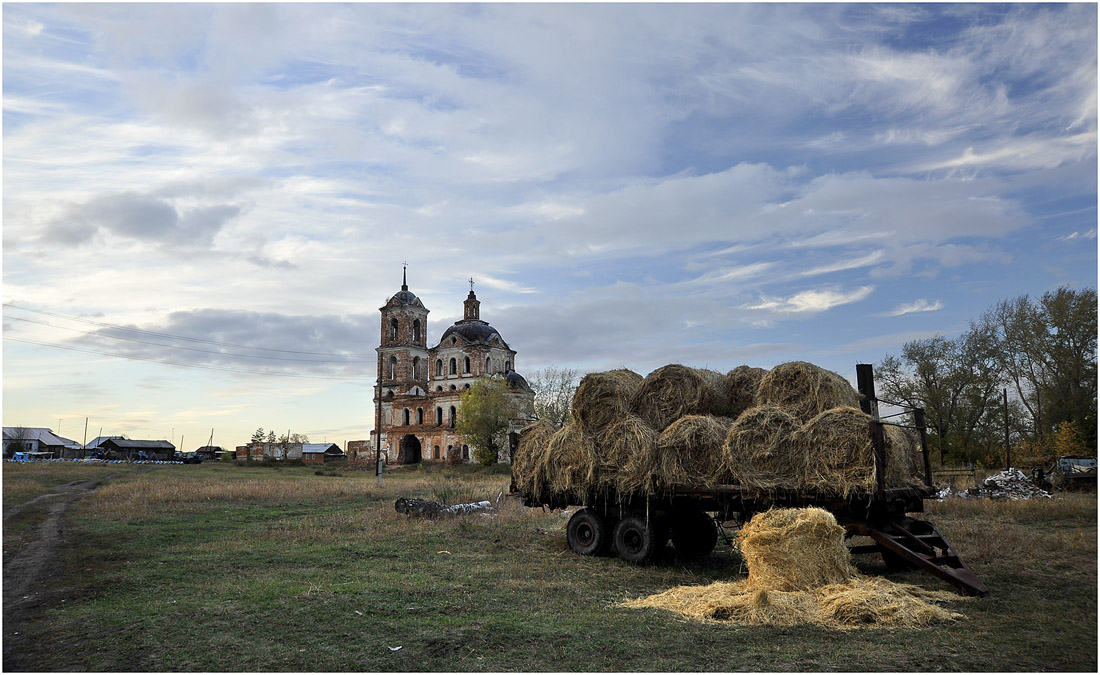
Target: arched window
439	388
439	416
393	329
465	386
507	365
439	367
454	366
466	364
453	387
406	417
389	394
488	365
420	416
454	414
435	452
416	330
466	453
393	367
416	367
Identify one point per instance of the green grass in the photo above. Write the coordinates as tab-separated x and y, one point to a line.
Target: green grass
218	568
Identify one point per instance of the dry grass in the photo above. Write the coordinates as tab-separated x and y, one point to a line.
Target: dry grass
838	451
805	390
601	399
689	452
628	453
759	452
569	463
529	457
904	461
800	572
672	391
743	381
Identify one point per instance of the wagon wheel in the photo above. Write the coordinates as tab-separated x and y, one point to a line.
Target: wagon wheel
588	533
636	539
693	534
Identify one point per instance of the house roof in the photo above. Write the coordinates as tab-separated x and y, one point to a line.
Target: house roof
40	434
95	442
319	447
124	444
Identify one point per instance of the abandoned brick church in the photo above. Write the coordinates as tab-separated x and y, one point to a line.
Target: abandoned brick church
418	391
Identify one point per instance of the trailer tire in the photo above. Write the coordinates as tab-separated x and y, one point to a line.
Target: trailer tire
588	533
694	534
636	539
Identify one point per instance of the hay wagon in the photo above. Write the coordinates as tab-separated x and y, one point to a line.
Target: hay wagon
637	526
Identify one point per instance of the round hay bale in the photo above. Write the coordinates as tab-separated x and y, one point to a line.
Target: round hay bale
626	456
759	452
533	441
838	452
743	381
904	461
603	398
689	451
569	462
672	391
794	550
805	390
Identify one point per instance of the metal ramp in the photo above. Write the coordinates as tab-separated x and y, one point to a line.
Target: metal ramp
919	544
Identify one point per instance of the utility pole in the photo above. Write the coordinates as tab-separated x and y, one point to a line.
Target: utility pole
1008	448
84	445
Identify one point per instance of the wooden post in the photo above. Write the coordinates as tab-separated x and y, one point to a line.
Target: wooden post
1008	448
865	380
918	421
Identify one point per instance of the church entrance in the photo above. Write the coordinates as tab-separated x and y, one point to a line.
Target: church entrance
409	450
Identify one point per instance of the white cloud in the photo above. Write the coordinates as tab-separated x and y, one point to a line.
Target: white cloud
1074	236
920	305
812	301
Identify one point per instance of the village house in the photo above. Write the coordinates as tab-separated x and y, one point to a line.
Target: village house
122	448
38	442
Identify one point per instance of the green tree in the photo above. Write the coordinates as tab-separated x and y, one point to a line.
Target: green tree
258	436
554	388
485	411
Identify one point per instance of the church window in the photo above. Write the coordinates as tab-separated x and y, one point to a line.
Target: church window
454	340
393	329
507	365
488	365
420	416
465	386
466	364
439	388
466	452
453	387
389	394
393	367
439	417
416	330
454	414
407	417
454	367
439	367
435	452
416	367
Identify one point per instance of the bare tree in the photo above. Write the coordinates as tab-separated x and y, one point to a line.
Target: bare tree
554	387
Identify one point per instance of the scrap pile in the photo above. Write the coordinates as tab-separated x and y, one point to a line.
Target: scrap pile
800	572
1010	484
796	426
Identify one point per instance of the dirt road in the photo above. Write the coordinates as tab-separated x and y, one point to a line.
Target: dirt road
27	573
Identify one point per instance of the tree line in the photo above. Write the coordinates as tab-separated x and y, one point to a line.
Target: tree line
1042	351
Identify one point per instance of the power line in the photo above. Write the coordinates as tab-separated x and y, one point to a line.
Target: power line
190	349
183	365
176	337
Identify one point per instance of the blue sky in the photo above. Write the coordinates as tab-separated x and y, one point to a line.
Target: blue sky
629	185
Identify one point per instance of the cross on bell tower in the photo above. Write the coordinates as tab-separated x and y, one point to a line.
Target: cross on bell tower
471	308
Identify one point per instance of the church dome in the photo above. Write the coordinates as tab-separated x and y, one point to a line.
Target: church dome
516	381
477	332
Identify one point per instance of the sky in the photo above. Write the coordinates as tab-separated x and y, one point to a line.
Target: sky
205	205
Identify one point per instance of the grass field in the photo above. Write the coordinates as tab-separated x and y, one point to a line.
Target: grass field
224	568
